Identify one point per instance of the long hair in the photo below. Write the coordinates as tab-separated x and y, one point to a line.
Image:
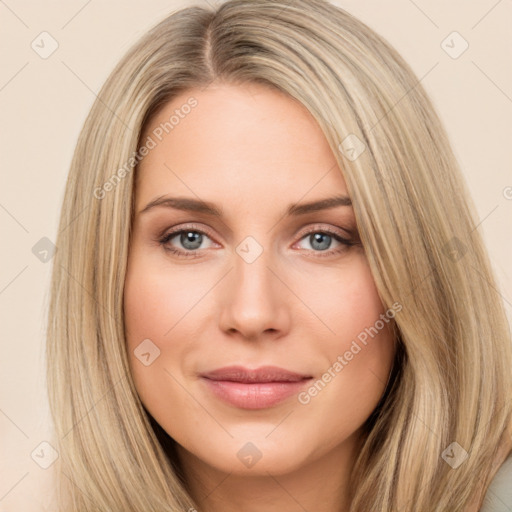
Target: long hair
449	399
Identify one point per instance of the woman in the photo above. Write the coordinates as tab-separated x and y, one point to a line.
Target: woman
271	293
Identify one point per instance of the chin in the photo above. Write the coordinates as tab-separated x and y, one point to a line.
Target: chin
256	455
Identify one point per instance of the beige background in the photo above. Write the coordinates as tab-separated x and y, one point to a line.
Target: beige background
44	103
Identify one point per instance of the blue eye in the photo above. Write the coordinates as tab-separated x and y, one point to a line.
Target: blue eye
321	240
192	239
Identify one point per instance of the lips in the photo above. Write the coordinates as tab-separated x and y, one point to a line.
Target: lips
260	375
260	388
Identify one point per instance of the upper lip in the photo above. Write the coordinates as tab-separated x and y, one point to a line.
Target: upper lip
262	374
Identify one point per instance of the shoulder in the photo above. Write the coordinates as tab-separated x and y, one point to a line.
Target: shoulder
498	497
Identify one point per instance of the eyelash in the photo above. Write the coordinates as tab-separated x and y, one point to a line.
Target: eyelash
163	241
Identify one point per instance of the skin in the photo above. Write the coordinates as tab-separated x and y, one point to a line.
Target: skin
252	151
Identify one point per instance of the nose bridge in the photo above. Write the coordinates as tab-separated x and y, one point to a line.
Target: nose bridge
254	302
253	280
251	272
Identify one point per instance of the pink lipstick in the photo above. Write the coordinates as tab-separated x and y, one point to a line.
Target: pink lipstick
254	389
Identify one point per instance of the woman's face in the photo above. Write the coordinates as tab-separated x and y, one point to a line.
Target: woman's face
235	269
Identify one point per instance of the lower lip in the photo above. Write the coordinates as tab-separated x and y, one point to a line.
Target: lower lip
254	396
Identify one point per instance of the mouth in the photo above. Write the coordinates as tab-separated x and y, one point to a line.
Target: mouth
259	388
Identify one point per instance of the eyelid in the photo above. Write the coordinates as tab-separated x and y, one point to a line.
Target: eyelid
170	233
313	228
192	226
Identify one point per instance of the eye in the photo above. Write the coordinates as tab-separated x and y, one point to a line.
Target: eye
321	241
191	240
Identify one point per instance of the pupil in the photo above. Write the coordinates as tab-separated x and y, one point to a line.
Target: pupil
190	240
318	237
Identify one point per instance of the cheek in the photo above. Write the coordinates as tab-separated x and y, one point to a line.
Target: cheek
368	344
149	306
358	356
156	299
346	301
155	302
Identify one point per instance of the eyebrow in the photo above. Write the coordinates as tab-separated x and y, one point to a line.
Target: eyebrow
198	206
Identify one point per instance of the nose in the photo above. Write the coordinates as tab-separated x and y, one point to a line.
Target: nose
254	300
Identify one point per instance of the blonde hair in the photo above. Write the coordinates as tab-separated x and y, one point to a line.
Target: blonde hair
415	219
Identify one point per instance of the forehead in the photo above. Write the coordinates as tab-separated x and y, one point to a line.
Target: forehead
249	138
